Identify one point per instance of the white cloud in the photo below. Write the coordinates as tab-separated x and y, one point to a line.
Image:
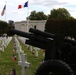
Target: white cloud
18	12
39	5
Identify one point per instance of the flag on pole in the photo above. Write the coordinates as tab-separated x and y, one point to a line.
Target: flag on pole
3	11
26	4
21	6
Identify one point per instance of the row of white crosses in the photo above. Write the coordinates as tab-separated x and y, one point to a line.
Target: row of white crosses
4	42
22	39
35	49
1	45
7	41
22	58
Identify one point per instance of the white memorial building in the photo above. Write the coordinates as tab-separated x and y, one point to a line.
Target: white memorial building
25	25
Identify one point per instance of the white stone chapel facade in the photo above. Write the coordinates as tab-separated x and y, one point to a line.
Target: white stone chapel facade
25	25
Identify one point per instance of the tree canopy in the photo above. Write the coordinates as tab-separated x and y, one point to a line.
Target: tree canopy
61	22
37	16
60	13
3	27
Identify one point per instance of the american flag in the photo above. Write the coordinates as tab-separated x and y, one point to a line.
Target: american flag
3	11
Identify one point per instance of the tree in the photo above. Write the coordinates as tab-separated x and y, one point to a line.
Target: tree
3	27
32	16
37	16
41	16
66	27
60	13
61	22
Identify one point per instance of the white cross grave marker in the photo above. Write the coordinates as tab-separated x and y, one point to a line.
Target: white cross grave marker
36	51
24	64
19	51
31	48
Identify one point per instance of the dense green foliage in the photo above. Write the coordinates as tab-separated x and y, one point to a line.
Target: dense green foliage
37	16
3	27
66	27
60	13
61	22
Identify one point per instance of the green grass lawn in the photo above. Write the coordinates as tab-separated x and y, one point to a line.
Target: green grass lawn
7	64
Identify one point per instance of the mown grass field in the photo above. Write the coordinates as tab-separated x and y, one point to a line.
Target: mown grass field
7	64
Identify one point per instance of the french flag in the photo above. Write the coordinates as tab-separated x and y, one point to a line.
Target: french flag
21	6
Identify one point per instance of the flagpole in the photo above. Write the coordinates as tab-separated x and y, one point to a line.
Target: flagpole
28	22
27	16
5	11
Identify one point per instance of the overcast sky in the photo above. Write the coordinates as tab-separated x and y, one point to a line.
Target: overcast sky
15	14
